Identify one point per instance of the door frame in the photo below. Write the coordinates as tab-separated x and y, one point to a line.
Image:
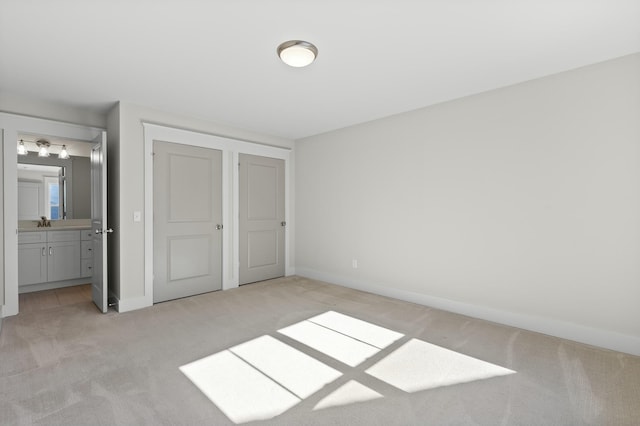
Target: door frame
230	148
11	125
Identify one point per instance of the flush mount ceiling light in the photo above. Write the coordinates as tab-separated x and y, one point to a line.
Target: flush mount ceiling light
297	53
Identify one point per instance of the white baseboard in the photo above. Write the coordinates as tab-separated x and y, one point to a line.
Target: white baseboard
126	305
52	285
565	330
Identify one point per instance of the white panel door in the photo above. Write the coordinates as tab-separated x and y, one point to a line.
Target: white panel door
262	220
99	221
187	220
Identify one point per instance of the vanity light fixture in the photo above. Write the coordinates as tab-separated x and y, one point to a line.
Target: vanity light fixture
43	147
64	154
22	150
297	53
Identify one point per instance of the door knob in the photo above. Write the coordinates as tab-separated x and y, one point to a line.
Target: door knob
218	227
283	223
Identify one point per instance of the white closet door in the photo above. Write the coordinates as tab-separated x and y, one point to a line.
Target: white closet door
262	219
187	227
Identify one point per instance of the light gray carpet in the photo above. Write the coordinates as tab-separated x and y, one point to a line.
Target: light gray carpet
73	366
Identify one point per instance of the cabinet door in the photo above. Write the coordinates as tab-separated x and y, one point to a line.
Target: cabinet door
64	260
86	268
32	263
86	249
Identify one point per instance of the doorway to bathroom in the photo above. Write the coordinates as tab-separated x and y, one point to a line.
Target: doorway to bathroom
55	238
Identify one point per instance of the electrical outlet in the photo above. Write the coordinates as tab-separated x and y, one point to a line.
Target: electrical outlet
137	216
354	263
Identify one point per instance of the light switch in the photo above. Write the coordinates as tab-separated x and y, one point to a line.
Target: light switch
137	216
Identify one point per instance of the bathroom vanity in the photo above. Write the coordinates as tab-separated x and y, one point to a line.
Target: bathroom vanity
54	257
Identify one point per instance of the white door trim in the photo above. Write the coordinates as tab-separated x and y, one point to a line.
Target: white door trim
11	125
230	148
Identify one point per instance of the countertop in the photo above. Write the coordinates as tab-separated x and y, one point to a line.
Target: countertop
55	228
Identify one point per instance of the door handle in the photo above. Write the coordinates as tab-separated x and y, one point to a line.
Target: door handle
50	251
218	227
108	231
283	223
44	251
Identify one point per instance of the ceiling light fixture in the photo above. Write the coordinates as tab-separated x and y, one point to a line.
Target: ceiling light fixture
297	53
22	150
64	154
43	147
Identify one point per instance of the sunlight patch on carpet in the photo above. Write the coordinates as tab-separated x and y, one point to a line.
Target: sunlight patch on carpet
265	377
338	346
419	365
366	332
299	373
239	390
349	393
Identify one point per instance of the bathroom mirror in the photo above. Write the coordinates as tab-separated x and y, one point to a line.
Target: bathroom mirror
56	188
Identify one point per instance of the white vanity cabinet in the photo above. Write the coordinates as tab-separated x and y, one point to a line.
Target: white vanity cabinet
32	258
63	248
49	257
86	253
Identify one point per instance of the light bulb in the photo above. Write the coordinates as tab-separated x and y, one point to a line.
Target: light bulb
22	150
64	154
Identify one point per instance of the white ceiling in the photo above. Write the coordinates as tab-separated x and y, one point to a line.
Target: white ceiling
216	59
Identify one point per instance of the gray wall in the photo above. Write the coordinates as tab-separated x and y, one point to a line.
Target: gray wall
81	187
520	205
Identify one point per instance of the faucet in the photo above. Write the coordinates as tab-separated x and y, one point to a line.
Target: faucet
44	222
